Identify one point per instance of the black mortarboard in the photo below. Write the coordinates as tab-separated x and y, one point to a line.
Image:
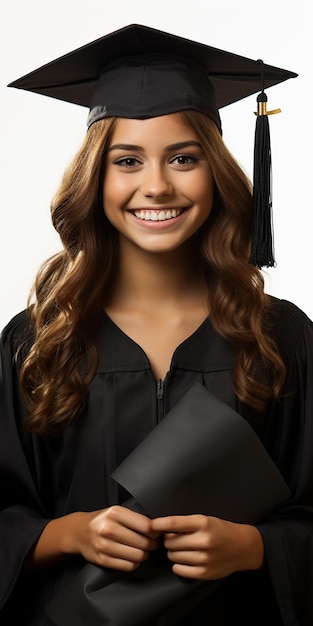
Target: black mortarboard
141	72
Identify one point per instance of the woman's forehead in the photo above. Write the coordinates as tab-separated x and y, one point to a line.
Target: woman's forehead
164	128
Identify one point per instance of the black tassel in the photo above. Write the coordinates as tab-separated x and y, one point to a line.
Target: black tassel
262	254
262	248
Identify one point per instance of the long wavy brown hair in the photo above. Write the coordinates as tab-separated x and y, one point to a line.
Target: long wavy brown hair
70	288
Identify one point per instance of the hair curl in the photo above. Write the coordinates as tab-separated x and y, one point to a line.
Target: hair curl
70	287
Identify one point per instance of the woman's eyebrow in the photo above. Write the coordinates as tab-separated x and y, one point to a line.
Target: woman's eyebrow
173	146
124	146
182	144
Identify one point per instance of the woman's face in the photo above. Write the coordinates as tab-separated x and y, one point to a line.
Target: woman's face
158	186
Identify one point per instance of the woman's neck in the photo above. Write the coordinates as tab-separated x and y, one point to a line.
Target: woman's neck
145	281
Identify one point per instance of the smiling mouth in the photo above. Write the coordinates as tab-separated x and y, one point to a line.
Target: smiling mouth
157	216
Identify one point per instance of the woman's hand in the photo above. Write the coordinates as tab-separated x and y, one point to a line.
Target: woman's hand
115	538
208	548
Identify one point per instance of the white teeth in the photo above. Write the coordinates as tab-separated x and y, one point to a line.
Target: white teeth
157	216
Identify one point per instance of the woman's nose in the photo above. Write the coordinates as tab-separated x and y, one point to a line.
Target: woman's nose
156	182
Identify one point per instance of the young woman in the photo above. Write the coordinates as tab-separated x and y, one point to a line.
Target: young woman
152	291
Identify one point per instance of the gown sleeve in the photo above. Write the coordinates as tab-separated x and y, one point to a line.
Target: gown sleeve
23	515
288	535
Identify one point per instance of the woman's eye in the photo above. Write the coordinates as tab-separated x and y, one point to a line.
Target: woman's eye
127	162
184	159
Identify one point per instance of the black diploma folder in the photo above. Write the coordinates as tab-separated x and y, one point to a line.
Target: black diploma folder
203	457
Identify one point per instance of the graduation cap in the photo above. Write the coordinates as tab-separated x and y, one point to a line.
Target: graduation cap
141	72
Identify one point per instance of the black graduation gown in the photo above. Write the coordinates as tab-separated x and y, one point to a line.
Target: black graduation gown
42	478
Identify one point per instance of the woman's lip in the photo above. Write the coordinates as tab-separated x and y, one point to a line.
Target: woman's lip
158	216
157	224
157	209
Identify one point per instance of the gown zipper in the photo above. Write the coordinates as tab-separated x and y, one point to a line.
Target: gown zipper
160	399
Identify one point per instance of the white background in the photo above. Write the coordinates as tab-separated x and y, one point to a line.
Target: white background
40	135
